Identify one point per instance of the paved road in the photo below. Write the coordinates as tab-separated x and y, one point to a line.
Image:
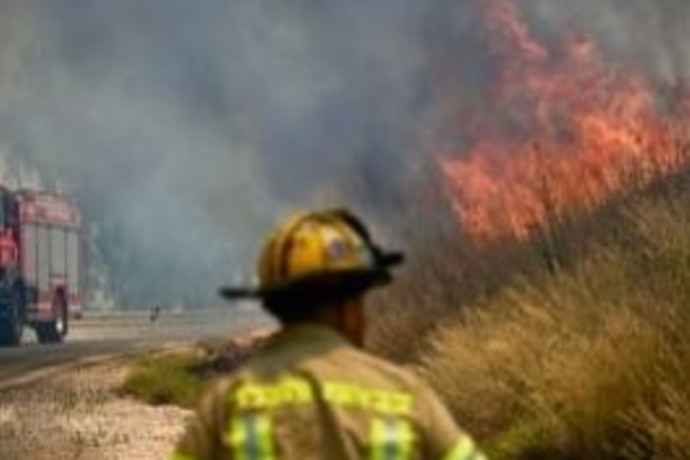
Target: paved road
19	366
111	336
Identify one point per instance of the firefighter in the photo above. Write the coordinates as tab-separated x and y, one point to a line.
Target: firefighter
311	392
154	315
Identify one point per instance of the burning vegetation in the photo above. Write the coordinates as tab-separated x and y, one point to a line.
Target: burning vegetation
585	357
564	131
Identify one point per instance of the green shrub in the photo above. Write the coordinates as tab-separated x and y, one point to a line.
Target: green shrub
160	379
527	438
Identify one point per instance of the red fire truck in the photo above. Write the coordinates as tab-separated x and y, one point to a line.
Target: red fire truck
40	265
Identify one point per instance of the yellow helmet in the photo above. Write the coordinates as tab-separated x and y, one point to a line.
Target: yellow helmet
319	255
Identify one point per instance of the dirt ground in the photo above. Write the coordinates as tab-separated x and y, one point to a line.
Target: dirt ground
80	416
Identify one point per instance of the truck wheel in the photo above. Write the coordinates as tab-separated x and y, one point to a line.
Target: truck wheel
11	326
54	331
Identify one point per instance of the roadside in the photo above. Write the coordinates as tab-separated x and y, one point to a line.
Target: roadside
81	415
81	410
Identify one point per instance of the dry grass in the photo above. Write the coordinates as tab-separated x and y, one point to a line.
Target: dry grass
589	363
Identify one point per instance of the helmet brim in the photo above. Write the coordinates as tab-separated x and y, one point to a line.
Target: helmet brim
331	284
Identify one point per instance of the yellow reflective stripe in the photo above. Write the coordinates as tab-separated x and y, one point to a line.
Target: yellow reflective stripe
382	401
265	438
406	440
180	456
251	437
289	391
391	439
465	449
378	440
293	391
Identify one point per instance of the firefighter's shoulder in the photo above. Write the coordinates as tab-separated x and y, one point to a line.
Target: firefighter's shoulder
369	369
335	365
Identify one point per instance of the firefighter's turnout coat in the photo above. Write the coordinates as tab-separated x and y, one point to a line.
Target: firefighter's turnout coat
310	394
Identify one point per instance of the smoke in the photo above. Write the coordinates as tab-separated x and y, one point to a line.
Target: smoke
652	34
184	129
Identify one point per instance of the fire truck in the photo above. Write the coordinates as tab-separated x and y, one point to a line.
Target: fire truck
40	265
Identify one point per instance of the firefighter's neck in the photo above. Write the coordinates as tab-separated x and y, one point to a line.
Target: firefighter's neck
347	318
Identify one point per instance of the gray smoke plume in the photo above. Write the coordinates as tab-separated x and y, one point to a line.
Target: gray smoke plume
652	34
183	129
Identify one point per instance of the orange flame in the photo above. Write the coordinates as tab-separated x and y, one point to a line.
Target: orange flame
569	131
